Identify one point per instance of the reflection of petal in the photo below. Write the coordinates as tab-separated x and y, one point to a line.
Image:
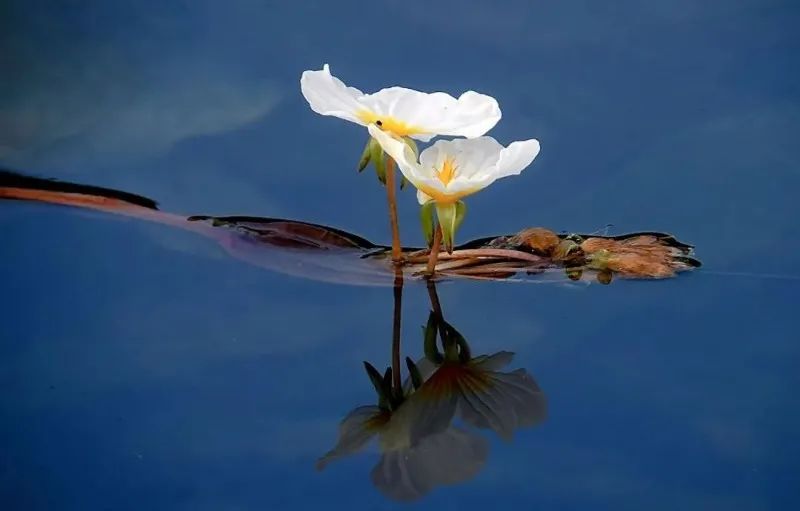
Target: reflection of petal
354	432
493	362
449	457
503	402
432	412
434	404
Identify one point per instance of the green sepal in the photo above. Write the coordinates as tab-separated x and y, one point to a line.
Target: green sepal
366	156
403	181
387	378
395	395
450	218
413	371
378	159
431	330
461	210
456	347
428	221
377	382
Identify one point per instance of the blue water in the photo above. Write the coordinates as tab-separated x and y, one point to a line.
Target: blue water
143	368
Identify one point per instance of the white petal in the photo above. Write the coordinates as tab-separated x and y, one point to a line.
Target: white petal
516	157
473	155
464	186
396	102
327	95
423	198
471	115
400	152
432	157
481	161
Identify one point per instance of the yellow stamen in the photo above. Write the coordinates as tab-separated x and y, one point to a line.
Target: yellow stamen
390	124
447	172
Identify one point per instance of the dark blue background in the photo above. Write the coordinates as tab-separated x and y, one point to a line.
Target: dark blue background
141	368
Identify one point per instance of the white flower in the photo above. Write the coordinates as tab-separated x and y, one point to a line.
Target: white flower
452	169
404	112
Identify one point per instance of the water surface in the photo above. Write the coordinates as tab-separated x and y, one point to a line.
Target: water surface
142	367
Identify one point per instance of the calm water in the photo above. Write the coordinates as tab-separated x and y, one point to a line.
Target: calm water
143	368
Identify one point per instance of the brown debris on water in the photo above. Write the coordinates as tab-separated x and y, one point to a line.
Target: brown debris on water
639	255
538	239
642	256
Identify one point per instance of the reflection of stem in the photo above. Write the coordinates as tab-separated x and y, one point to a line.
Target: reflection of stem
434	296
390	193
398	305
434	255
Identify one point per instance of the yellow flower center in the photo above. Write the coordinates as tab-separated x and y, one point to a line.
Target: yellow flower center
390	124
447	172
445	175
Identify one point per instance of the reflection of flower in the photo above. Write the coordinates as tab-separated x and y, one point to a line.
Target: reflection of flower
420	448
452	169
409	469
404	112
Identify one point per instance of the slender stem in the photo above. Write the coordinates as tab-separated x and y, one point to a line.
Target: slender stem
398	306
435	249
397	254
